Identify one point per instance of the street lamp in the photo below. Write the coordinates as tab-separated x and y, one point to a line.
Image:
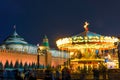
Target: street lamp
38	57
46	60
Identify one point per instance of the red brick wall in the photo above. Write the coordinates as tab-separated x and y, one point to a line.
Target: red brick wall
29	58
17	56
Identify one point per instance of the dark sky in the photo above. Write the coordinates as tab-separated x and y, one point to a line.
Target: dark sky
58	18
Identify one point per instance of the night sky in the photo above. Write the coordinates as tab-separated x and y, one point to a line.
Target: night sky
58	18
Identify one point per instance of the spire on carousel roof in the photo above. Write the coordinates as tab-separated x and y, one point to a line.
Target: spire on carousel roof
86	26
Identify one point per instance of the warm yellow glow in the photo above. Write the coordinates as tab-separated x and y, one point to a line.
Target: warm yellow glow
84	47
94	40
78	42
42	47
64	41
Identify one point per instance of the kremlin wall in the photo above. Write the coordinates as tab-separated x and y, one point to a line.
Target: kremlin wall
15	48
13	56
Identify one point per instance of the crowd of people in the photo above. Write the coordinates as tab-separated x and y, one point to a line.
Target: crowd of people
17	75
50	74
65	72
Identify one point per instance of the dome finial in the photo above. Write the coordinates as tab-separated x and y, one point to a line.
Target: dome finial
86	26
14	27
15	33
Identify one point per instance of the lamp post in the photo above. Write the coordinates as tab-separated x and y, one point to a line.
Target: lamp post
45	54
38	57
118	47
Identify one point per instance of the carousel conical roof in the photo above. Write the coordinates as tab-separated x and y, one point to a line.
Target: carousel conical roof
87	39
87	33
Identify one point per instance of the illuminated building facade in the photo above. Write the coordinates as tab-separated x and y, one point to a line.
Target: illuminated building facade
15	49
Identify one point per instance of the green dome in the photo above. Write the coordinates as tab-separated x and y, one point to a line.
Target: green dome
17	43
14	39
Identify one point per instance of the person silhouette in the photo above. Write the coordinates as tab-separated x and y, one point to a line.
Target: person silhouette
95	73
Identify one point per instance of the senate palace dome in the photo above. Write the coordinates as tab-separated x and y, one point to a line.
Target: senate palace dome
17	43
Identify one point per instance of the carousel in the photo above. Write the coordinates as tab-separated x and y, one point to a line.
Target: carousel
89	49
